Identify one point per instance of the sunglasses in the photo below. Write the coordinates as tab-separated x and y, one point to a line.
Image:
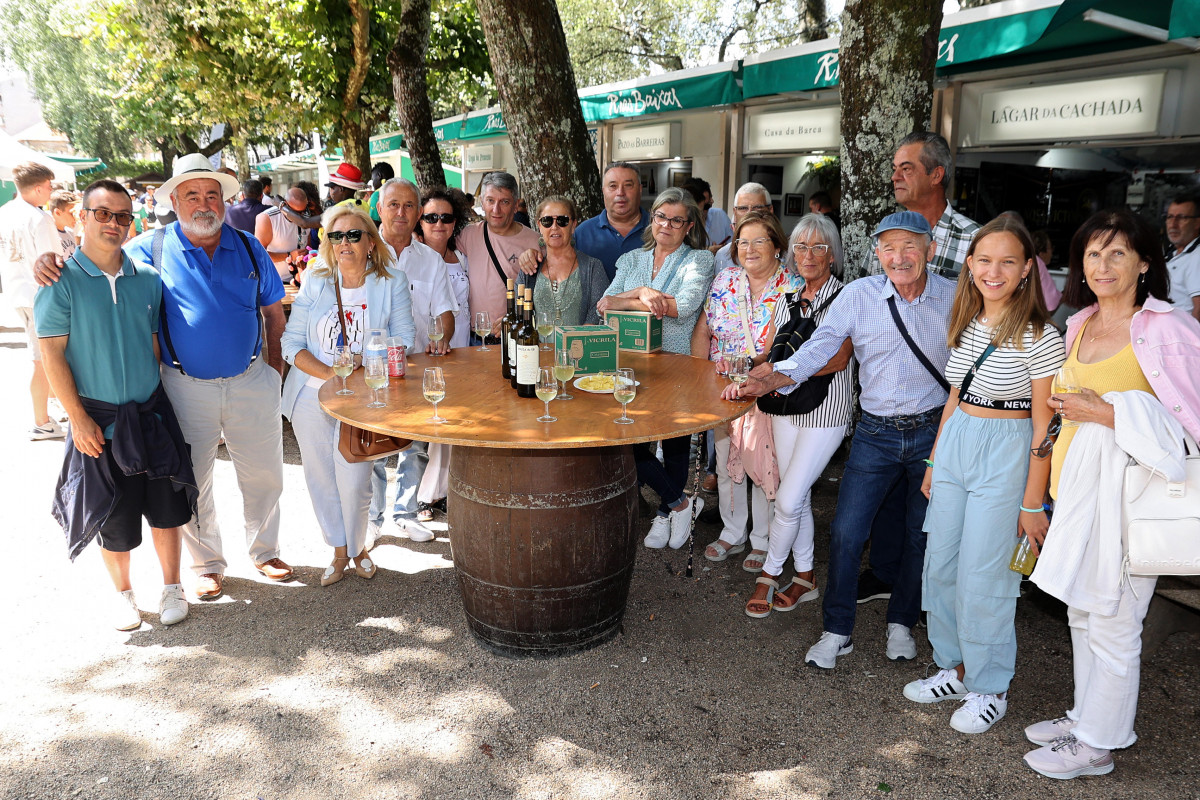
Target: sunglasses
432	218
1047	446
350	236
548	222
123	218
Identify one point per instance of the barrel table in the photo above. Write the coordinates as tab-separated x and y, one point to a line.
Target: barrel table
542	516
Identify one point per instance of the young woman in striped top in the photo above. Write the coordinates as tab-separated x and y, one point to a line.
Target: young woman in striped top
985	483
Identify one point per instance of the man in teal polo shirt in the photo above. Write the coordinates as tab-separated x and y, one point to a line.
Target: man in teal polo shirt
97	328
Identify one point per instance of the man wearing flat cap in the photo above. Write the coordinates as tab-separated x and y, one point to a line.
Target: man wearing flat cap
897	323
221	373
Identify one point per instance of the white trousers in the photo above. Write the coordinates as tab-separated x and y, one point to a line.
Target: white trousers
245	409
735	499
802	454
340	491
1108	668
436	480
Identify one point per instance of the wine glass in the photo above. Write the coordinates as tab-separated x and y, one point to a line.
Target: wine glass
546	390
343	365
731	351
545	329
436	332
483	328
1065	382
375	373
564	370
739	369
433	386
624	390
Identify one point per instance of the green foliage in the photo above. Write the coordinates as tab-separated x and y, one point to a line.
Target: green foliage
121	170
460	74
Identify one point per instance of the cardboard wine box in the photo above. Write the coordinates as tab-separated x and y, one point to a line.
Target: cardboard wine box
593	346
637	331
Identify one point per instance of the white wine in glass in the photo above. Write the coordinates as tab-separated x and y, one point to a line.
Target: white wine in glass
483	328
436	332
739	369
564	370
343	366
546	390
433	386
375	374
624	392
545	328
1065	382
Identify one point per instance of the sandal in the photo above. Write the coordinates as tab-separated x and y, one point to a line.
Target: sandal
335	571
723	551
772	586
425	512
757	557
364	567
789	604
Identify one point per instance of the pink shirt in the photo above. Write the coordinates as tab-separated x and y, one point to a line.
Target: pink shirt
1166	343
486	292
1050	292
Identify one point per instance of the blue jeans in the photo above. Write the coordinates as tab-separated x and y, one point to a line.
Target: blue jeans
410	466
668	477
886	453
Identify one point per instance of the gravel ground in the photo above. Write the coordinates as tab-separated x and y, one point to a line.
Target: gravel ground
377	689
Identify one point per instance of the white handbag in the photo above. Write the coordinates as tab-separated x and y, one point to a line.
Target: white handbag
1161	520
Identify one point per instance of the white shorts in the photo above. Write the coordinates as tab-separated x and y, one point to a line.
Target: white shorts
26	315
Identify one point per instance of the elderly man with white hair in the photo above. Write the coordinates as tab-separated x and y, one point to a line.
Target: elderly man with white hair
220	372
749	197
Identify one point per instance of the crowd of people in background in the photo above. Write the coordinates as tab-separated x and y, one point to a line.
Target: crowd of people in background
940	365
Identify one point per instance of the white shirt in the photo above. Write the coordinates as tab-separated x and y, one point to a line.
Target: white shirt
26	232
1184	267
329	329
457	274
429	285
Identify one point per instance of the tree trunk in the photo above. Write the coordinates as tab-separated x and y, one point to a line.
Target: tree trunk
353	129
813	12
407	64
886	93
536	83
168	151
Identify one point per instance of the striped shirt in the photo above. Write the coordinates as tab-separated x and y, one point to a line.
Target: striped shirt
953	234
894	382
1008	373
835	411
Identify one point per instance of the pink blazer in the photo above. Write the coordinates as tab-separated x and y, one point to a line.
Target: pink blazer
1166	344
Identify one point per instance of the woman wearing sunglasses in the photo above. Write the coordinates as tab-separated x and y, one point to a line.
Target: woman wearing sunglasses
1129	347
670	277
438	227
349	290
985	486
574	281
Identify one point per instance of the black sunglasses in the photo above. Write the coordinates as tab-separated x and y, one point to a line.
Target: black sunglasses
432	218
123	218
350	236
1047	446
547	222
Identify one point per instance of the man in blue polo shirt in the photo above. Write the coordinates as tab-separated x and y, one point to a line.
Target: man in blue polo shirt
97	328
221	373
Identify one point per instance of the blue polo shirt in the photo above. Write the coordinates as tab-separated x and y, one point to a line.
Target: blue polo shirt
110	325
602	241
212	305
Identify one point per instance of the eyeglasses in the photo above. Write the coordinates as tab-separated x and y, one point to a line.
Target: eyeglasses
350	236
745	244
671	222
818	250
744	209
1044	449
432	218
548	222
1180	217
123	218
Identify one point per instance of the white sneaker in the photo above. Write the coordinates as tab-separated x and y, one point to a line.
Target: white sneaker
1046	732
51	430
900	643
978	712
943	686
681	522
415	531
126	616
173	607
825	652
660	533
1067	758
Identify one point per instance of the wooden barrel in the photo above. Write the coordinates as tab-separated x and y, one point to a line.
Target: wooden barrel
543	543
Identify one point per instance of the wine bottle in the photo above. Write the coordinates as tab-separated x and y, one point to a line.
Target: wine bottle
513	333
527	351
506	325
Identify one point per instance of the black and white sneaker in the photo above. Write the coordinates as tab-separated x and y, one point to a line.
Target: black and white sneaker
943	686
871	588
979	712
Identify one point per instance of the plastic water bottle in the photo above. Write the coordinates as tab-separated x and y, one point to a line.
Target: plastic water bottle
376	344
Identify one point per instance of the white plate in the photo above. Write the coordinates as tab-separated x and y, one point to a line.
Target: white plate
575	383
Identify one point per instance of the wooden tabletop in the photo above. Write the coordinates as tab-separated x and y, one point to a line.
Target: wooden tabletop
678	395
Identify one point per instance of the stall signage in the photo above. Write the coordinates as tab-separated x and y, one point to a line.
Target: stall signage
646	142
697	91
481	157
808	129
1125	106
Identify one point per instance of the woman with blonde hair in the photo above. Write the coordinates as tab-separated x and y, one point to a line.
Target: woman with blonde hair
348	291
986	476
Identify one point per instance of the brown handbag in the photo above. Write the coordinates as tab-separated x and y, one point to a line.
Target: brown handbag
354	443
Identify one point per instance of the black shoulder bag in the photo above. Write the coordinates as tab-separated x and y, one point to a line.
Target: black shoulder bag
925	362
788	339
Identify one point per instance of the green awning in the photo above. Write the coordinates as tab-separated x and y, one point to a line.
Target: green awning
477	125
694	88
451	176
81	164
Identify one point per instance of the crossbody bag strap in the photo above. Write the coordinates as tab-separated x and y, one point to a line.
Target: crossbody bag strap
337	292
156	248
487	240
925	362
257	291
966	384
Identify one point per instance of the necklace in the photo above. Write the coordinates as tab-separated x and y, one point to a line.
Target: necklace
1111	328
